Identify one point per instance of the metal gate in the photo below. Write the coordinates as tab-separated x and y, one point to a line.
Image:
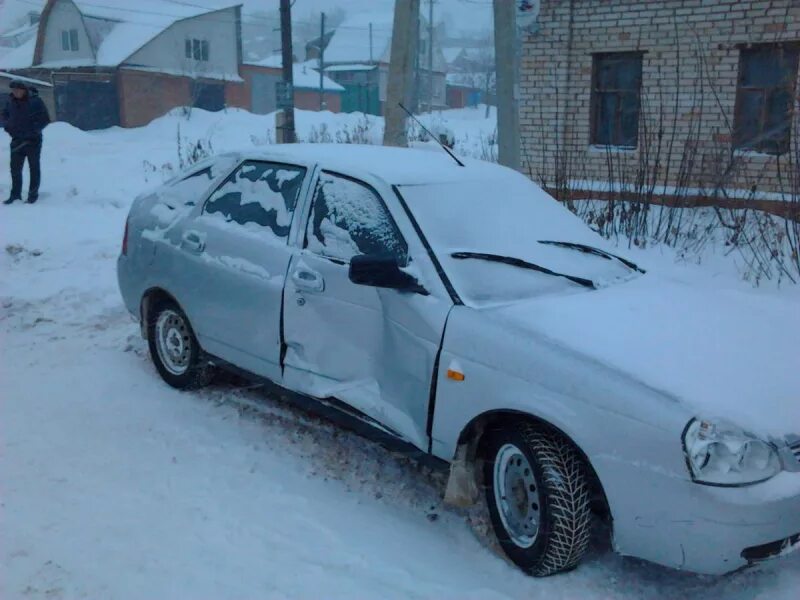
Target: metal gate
208	96
361	98
87	103
262	93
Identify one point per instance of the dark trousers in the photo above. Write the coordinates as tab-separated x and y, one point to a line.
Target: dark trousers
20	151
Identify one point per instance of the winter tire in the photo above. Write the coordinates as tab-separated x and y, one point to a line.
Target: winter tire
174	348
538	494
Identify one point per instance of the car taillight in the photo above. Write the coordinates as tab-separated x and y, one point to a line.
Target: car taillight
125	240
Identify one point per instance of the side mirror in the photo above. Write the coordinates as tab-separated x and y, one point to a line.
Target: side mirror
383	272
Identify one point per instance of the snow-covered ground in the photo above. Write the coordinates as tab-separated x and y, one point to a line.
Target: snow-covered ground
112	485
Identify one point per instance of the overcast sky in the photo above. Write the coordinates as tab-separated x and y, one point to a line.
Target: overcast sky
460	15
468	15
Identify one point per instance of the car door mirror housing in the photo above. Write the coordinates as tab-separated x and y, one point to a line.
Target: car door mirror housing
383	272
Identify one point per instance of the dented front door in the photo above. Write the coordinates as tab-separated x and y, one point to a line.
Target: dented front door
372	348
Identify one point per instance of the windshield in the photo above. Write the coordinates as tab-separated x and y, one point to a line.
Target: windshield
506	215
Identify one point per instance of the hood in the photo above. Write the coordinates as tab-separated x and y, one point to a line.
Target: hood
722	353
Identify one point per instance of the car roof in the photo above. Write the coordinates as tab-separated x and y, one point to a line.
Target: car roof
400	166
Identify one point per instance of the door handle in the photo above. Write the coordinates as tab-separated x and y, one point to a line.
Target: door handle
306	280
193	242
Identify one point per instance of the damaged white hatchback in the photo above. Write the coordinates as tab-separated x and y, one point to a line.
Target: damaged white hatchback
462	312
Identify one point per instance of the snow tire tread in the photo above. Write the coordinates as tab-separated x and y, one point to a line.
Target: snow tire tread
569	497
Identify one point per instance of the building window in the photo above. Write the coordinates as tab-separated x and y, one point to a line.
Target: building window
765	97
616	99
69	40
196	49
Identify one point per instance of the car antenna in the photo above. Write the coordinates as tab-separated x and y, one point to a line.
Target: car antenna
425	129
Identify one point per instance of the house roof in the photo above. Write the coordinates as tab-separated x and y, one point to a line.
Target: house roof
351	40
304	74
35	82
476	80
451	54
24	31
352	43
119	31
20	57
349	67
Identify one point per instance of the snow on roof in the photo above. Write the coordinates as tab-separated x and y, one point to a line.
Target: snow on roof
36	82
351	41
274	61
24	30
450	54
19	58
471	80
394	165
349	67
304	74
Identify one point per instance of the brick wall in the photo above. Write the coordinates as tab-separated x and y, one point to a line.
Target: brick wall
309	100
305	99
237	95
691	61
146	96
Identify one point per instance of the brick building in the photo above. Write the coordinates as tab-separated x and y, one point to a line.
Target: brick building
689	98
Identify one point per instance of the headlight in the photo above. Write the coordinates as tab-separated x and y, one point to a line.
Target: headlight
722	454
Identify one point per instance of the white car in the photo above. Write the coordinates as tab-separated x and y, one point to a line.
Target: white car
462	313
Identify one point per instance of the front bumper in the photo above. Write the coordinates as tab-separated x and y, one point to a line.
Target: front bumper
704	529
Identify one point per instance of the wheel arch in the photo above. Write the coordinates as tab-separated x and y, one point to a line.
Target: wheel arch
152	297
468	449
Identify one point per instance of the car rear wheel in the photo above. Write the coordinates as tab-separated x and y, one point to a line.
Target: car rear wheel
174	348
538	493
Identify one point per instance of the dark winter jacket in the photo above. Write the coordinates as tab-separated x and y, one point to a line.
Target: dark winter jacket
24	119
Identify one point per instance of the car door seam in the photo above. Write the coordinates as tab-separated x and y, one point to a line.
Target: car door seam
434	385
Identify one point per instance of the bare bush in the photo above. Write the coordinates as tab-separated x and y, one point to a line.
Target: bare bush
193	151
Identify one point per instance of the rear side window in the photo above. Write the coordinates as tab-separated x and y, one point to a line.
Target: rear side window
349	219
259	193
191	188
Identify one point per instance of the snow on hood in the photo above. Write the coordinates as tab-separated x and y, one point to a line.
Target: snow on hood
723	354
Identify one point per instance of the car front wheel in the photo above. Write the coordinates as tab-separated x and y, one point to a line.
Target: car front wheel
538	493
174	348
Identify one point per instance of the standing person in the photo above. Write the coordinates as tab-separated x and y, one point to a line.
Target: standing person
24	118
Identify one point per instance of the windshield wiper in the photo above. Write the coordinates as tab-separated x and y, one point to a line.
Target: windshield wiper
596	252
523	264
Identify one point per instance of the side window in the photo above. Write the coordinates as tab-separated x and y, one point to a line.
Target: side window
190	188
259	193
349	219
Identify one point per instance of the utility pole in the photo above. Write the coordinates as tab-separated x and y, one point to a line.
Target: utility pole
370	43
288	73
430	55
401	72
416	91
322	104
506	61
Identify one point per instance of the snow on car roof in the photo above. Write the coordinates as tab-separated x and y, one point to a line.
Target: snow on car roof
402	166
